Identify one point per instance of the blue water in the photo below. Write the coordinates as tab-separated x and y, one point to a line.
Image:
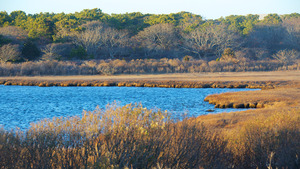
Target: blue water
22	105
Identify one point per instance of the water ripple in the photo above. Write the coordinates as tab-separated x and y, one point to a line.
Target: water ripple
21	105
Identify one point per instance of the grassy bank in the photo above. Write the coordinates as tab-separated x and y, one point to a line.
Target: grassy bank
188	80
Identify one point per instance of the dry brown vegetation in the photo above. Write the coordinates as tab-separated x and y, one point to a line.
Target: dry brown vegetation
279	97
130	136
188	80
267	101
138	66
135	137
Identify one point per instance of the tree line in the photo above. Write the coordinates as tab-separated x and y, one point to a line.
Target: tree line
92	34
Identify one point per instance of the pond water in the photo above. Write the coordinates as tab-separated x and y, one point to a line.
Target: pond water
22	105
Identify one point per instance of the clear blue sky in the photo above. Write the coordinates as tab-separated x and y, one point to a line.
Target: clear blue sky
209	9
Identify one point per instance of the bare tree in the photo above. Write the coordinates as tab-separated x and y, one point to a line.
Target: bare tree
89	39
160	37
286	57
93	24
270	37
16	34
98	36
113	41
50	52
63	34
9	53
209	39
292	37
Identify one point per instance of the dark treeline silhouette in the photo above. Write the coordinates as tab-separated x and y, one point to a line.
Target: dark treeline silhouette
94	35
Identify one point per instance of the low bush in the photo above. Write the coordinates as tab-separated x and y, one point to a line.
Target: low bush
138	66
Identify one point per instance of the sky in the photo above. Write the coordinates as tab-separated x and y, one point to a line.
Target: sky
209	9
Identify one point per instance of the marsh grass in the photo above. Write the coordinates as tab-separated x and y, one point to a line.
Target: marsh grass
133	136
271	142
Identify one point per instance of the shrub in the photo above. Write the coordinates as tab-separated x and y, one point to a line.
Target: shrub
229	55
79	52
77	67
286	57
50	52
4	40
30	51
187	58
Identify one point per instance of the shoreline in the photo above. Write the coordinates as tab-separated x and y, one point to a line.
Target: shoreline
262	80
145	83
275	83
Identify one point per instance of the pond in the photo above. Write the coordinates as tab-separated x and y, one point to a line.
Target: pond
22	105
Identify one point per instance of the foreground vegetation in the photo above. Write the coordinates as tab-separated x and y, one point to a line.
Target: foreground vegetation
135	137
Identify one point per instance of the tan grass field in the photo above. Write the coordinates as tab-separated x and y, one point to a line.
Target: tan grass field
281	99
224	76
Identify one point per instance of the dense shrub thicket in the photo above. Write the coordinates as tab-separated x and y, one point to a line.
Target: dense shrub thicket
92	34
136	137
138	66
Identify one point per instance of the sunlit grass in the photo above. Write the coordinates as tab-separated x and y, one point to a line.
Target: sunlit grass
277	134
